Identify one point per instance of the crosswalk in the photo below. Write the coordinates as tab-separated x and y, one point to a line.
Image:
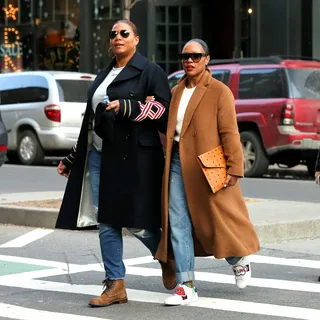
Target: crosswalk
141	268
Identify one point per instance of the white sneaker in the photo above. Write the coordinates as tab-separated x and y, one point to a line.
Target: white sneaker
242	272
182	295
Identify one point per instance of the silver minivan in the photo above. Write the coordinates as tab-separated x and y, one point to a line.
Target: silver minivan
42	111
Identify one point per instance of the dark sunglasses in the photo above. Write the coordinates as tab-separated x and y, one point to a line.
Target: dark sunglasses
123	34
195	57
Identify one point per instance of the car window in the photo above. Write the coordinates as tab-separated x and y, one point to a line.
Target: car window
23	89
221	75
262	84
73	90
174	80
304	83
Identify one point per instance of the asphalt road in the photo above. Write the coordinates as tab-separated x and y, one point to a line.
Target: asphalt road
294	185
54	277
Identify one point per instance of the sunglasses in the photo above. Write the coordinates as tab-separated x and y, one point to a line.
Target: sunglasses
195	57
123	34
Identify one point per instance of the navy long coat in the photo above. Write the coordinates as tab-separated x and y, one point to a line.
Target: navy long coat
132	155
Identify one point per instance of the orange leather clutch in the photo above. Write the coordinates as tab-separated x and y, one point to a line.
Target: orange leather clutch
214	166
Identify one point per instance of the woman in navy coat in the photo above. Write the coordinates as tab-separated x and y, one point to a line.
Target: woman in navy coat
129	158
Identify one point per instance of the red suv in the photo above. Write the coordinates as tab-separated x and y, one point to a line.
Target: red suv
278	109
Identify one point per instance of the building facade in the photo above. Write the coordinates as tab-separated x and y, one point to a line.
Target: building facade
73	34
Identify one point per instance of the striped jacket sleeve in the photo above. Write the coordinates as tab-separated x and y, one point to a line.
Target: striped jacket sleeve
68	160
155	111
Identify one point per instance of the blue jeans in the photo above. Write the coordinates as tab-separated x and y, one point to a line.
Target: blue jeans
181	225
94	160
111	243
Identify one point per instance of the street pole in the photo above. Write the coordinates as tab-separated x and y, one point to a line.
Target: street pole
86	36
237	29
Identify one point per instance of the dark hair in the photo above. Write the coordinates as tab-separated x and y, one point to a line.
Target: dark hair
201	42
129	23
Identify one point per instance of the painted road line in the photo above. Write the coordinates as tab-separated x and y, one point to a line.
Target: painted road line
229	279
20	313
27	238
63	265
10	268
158	298
302	263
153	272
38	262
156	272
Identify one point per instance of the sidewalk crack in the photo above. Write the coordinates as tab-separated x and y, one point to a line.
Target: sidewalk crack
68	268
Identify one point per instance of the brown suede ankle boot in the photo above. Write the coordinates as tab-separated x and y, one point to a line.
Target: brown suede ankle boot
114	292
169	274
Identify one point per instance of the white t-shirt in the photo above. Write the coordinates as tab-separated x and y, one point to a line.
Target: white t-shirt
98	97
185	98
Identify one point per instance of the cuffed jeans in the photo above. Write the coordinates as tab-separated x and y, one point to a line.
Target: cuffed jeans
181	225
111	243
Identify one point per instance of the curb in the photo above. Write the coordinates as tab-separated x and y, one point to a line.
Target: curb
288	231
28	216
267	232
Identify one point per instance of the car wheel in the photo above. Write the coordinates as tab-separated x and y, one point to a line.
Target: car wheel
255	159
29	150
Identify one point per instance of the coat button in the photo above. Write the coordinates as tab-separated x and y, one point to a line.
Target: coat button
128	136
125	157
194	134
131	93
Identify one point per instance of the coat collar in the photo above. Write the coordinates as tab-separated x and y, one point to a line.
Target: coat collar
135	66
192	105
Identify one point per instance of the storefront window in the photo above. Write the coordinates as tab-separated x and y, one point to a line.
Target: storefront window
107	9
39	34
106	12
45	35
59	36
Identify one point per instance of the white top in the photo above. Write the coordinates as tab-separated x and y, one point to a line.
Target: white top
185	98
98	97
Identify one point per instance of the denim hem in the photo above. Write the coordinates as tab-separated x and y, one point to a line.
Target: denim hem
185	276
233	260
115	278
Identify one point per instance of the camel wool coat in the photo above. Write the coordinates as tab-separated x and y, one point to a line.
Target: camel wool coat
221	224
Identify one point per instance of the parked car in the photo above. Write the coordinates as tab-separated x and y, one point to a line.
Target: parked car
3	142
42	111
278	109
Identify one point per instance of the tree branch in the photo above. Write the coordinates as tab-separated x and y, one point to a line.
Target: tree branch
130	4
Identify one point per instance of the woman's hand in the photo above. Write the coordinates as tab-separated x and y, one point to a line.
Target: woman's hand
230	181
63	170
316	175
149	99
114	105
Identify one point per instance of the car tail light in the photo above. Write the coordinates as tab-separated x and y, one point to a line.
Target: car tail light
3	148
53	112
287	117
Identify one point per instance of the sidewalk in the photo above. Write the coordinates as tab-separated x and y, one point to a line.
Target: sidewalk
274	220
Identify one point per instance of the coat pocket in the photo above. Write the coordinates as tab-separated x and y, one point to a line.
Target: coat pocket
214	166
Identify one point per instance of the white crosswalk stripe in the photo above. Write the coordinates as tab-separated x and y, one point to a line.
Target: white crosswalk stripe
33	280
19	313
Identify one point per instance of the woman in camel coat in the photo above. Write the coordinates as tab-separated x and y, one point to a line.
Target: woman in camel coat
195	220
